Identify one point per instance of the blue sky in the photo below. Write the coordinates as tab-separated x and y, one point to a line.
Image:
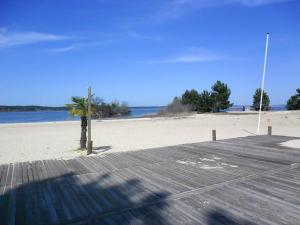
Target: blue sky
146	52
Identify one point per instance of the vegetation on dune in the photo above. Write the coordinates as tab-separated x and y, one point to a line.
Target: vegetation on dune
294	101
176	107
191	100
265	100
220	96
205	102
101	109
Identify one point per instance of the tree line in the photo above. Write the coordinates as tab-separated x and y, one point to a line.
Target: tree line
217	99
29	108
208	101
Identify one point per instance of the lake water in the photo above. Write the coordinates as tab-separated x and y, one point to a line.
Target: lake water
240	108
51	116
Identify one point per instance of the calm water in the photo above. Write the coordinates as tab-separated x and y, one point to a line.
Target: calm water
240	108
49	116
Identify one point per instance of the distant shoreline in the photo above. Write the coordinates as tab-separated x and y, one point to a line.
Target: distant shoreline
63	115
30	108
38	108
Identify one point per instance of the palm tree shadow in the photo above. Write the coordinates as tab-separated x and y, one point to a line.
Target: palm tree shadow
82	199
101	149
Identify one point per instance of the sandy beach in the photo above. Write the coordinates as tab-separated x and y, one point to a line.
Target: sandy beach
35	141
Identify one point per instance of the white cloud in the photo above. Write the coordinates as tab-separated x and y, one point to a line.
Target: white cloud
12	39
137	35
176	8
193	55
79	46
63	49
205	3
257	2
126	33
107	38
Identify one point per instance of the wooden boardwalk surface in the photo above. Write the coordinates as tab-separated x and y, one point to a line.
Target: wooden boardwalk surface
250	180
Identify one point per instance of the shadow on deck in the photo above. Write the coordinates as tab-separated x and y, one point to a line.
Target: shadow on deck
67	199
64	200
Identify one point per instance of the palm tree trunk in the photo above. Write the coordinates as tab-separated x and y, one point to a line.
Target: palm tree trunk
83	132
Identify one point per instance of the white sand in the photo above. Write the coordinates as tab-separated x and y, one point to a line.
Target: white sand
34	141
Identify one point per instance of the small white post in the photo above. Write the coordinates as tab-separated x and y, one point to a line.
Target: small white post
262	85
90	143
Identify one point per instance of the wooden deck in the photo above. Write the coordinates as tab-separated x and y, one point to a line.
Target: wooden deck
250	180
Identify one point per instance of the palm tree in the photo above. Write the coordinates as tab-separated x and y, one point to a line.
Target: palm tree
79	107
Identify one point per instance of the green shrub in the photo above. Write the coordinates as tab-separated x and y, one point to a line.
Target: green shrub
265	100
176	107
205	103
102	109
220	96
294	102
191	98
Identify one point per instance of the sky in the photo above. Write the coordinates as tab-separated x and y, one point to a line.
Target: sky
146	52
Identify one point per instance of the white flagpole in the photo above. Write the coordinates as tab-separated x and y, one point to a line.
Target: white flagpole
262	85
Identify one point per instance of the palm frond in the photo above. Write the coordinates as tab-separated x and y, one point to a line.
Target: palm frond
78	107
